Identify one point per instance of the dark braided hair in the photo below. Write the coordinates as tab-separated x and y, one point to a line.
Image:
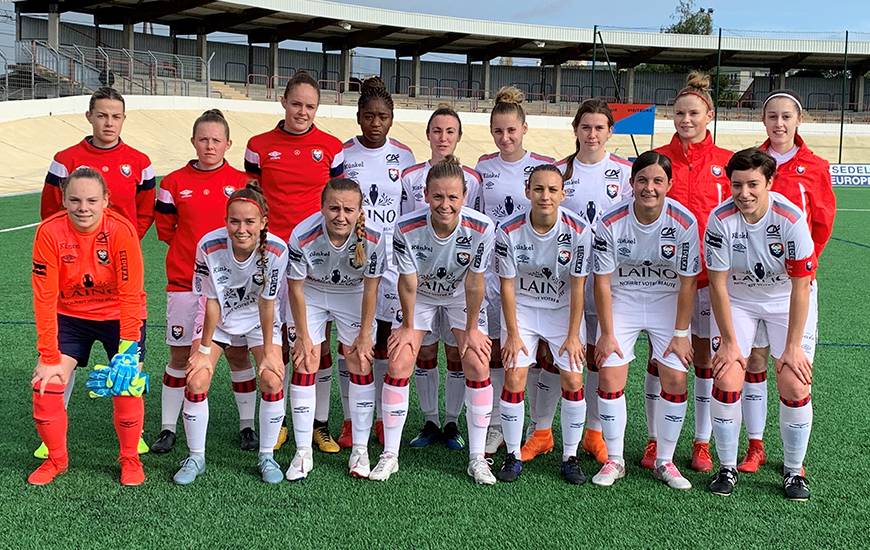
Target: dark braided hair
254	194
347	184
595	106
374	88
448	167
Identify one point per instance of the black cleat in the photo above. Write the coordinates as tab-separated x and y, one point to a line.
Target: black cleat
429	434
164	443
511	468
452	438
249	440
723	482
796	487
572	473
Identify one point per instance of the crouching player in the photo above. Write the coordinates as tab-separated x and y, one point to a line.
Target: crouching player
542	259
441	253
336	262
87	287
646	265
761	260
238	269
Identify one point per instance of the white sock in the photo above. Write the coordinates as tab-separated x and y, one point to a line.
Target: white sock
703	391
196	421
323	390
726	417
272	409
303	397
592	420
611	409
67	391
670	412
344	386
361	397
454	392
171	398
496	377
531	391
395	407
478	409
573	415
755	405
245	392
426	380
513	411
380	370
795	424
547	399
652	387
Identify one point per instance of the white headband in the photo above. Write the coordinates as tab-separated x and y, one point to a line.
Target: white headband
783	94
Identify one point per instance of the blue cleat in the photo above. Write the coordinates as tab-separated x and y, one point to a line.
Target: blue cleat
511	468
269	469
452	438
191	467
430	434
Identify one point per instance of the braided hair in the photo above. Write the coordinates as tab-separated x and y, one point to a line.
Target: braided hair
374	88
252	193
347	184
596	106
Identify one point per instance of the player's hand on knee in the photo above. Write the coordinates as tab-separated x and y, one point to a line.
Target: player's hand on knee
681	346
303	354
270	365
199	362
478	343
576	353
47	374
399	338
797	361
726	357
511	347
605	347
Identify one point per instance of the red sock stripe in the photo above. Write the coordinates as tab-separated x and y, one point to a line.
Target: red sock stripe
674	397
302	379
703	373
611	395
549	366
725	396
477	384
573	395
173	381
652	368
495	363
756	377
512	396
195	397
396	382
381	352
245	386
326	361
427	364
362	379
797	403
273	396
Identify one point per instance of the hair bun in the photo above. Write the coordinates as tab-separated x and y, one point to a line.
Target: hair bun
450	159
509	94
698	81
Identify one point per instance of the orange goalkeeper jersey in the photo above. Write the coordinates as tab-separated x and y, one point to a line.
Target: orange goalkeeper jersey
96	276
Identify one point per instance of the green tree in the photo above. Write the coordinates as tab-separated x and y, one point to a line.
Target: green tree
688	20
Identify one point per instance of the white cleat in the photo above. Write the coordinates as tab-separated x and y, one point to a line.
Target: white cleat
494	440
669	473
358	464
387	465
479	469
609	473
302	463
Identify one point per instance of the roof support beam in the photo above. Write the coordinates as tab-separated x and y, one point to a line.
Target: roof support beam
218	22
429	44
713	59
148	11
790	62
36	6
643	56
290	31
359	38
570	53
495	49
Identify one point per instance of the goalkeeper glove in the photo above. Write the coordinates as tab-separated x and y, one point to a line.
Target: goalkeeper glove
98	384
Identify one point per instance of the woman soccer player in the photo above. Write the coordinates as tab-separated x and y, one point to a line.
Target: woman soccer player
293	162
441	253
761	259
238	270
804	179
337	259
595	180
699	184
87	287
190	203
543	257
443	131
376	162
504	175
646	265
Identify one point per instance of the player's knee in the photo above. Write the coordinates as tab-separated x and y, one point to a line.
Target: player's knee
452	353
571	381
178	356
474	368
757	360
610	379
790	388
731	381
270	382
199	382
515	379
427	353
673	380
402	365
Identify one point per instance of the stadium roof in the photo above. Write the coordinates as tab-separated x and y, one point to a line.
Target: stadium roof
343	26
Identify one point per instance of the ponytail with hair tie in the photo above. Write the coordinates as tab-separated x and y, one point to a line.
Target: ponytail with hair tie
359	258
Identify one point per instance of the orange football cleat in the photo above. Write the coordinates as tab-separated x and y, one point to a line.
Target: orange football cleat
345	438
47	471
701	459
593	443
649	455
755	457
379	430
132	473
540	443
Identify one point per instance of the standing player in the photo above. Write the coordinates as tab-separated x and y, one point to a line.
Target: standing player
699	184
761	259
543	257
441	253
804	179
127	172
505	175
595	180
443	131
87	287
292	162
646	264
190	203
337	258
238	270
376	162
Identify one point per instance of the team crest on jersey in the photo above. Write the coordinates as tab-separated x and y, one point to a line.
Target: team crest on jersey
776	249
258	278
291	333
228	190
177	331
668	251
716	170
462	258
564	257
715	343
103	256
393	173
612	190
317	154
126	170
801	169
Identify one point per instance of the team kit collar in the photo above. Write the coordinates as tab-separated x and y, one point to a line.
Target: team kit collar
694	149
280	127
88	144
803	148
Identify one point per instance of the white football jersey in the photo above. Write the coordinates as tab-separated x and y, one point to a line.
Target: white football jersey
414	183
330	268
761	256
542	265
645	261
440	264
503	191
593	189
236	285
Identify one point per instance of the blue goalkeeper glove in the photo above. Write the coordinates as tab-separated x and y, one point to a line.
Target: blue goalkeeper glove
98	380
123	366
